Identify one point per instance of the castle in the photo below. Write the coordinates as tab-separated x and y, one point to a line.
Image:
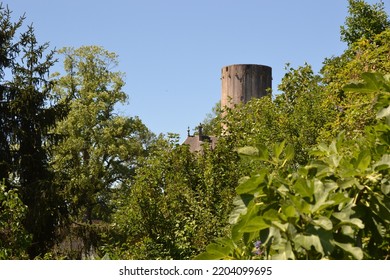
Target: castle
240	83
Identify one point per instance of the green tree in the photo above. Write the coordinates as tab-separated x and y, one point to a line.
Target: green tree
14	240
364	21
212	122
178	202
27	115
98	149
353	110
8	51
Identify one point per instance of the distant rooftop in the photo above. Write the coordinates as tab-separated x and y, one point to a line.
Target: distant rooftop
197	140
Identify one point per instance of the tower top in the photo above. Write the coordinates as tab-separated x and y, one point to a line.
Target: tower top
242	82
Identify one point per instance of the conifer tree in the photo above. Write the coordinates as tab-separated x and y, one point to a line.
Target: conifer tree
27	115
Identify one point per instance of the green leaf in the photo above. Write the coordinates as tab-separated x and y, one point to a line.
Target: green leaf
300	204
255	224
289	152
271	215
282	226
344	217
356	252
339	198
285	252
263	153
385	188
309	241
248	151
251	185
278	149
363	160
215	252
383	163
373	82
323	222
241	202
289	211
303	188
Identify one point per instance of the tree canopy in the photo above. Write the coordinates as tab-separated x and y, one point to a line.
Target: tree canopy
303	174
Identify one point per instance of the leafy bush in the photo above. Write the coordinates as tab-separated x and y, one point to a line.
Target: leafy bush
14	239
335	207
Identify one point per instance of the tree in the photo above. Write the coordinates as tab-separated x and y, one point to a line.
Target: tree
212	122
354	111
364	21
27	115
8	52
177	203
98	149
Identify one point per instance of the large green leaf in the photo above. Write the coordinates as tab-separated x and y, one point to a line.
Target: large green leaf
300	204
215	251
345	219
278	149
356	252
255	224
285	252
309	241
241	202
383	163
373	82
251	185
248	151
363	160
326	237
323	222
304	188
289	211
385	188
289	152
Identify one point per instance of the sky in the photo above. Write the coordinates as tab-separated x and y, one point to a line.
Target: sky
172	51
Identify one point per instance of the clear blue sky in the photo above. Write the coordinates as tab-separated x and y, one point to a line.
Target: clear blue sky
172	51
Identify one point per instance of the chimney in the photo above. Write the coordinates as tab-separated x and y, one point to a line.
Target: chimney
200	131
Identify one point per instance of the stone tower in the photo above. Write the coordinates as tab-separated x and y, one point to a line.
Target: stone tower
242	82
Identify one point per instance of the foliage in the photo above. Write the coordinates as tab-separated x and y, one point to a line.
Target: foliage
336	206
14	240
297	115
97	149
27	115
177	203
80	181
212	121
363	21
353	111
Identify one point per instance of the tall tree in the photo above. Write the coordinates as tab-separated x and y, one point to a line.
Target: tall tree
8	52
26	118
99	149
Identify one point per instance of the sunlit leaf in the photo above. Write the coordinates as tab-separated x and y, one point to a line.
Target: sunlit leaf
323	222
251	185
309	241
356	252
255	224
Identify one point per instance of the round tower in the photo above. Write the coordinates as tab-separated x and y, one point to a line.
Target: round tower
242	82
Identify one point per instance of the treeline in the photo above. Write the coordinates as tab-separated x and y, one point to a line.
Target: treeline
300	175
